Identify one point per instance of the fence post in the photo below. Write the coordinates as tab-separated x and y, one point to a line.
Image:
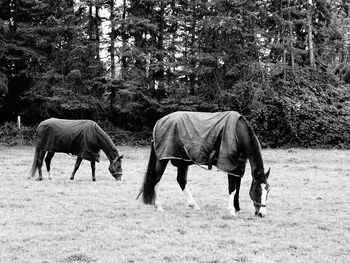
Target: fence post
19	122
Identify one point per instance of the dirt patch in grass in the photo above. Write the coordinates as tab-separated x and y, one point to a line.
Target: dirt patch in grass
85	221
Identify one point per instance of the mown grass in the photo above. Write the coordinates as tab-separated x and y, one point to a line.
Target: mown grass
85	221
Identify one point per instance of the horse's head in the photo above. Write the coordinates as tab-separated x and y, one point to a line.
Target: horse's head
259	191
115	168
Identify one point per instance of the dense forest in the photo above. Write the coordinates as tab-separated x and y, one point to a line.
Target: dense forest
284	64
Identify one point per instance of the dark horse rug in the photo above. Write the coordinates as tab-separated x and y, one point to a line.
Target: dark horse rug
77	137
200	138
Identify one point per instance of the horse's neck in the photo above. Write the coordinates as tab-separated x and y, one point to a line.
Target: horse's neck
107	146
256	165
255	158
249	144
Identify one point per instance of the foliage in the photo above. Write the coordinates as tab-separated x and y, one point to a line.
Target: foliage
249	56
49	63
307	108
343	71
3	84
10	134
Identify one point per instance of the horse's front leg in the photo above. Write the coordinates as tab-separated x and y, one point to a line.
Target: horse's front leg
76	166
182	170
234	184
93	166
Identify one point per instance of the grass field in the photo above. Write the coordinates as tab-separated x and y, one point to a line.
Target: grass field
83	221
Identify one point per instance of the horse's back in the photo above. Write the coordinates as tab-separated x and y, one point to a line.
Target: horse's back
76	137
196	125
193	136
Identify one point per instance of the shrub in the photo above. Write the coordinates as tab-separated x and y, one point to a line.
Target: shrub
306	108
11	135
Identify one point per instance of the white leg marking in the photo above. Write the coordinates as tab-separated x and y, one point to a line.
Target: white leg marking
230	207
263	210
190	200
157	202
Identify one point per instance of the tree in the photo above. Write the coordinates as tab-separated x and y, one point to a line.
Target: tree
310	33
18	60
48	60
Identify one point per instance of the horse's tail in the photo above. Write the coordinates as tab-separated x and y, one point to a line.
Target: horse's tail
147	190
35	163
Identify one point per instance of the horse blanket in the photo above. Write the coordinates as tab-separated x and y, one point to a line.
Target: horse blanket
197	137
77	137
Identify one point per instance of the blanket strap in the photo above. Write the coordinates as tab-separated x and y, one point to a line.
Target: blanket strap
196	163
210	164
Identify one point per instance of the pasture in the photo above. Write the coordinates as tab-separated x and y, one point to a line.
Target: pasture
83	221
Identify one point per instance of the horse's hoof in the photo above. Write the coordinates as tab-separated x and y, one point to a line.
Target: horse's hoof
160	209
194	206
232	213
94	180
39	179
71	179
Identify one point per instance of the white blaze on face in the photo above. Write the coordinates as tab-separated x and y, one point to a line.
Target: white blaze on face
262	209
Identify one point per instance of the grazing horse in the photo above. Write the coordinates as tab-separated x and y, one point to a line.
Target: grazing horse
223	139
83	138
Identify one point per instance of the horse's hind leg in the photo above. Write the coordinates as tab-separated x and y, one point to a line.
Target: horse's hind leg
236	199
93	166
159	170
182	170
40	160
234	184
48	159
76	166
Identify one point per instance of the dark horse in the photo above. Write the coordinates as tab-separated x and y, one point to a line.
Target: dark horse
83	138
223	139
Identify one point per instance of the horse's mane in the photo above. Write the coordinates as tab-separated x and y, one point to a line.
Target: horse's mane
107	145
254	143
253	139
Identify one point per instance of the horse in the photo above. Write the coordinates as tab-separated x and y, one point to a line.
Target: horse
223	139
83	138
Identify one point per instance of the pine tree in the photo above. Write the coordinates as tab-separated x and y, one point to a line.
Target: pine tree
48	60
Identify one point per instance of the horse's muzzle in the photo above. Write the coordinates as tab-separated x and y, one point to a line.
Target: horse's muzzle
118	176
260	211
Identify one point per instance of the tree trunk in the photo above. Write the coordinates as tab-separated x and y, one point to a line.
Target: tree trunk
283	41
160	71
310	40
97	30
291	37
124	43
112	40
14	5
192	76
112	50
91	23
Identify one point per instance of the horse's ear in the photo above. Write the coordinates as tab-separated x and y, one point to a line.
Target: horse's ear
267	173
